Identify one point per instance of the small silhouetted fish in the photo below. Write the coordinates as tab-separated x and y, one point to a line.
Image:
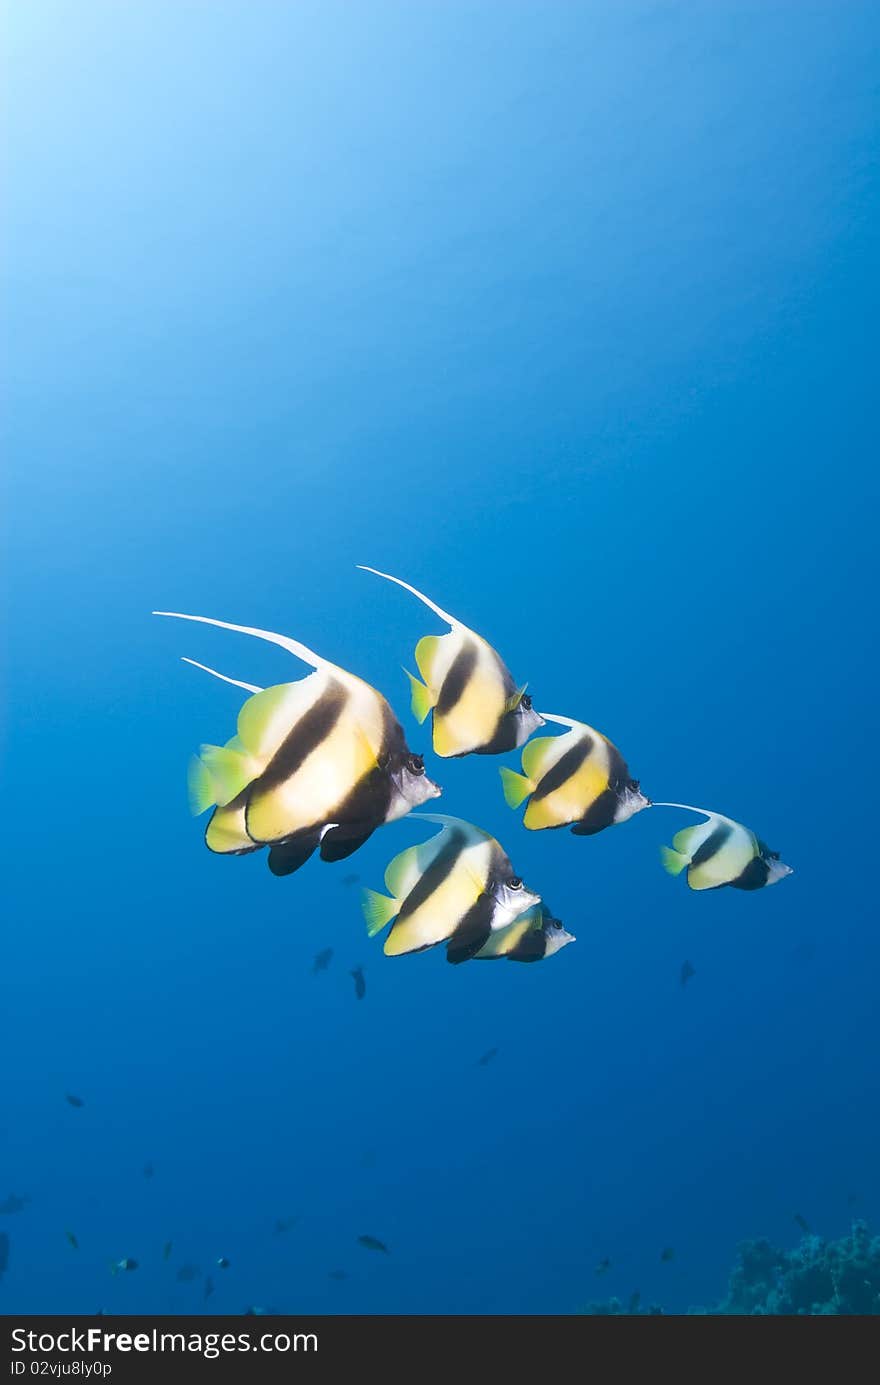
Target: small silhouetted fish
4	1253
284	1224
13	1204
487	1057
187	1273
360	985
322	960
371	1243
148	1170
337	1274
73	1100
166	1250
667	1254
71	1240
635	1299
350	879
687	971
209	1287
603	1266
802	1223
126	1264
222	1263
852	1199
254	1312
803	951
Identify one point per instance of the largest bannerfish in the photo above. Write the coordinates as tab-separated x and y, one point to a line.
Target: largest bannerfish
477	706
579	780
459	887
319	761
720	852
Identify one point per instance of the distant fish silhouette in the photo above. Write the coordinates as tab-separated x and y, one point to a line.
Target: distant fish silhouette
4	1253
687	971
667	1254
126	1264
222	1263
360	985
187	1273
852	1199
635	1299
284	1224
166	1250
487	1057
371	1243
71	1240
13	1204
322	960
350	879
209	1287
148	1170
73	1100
603	1266
802	1223
337	1274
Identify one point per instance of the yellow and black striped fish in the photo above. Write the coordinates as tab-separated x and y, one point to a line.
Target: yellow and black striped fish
530	938
477	708
458	887
322	761
721	852
579	779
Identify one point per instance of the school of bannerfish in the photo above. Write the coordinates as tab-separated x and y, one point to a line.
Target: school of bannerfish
321	763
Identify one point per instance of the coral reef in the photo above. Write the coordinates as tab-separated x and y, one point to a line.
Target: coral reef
816	1278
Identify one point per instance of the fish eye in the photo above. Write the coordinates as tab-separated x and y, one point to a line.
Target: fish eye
634	785
515	883
416	764
526	702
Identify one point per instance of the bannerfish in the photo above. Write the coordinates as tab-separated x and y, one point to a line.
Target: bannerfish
71	1240
720	852
579	779
457	887
322	960
319	762
360	985
126	1264
530	938
371	1243
687	971
478	708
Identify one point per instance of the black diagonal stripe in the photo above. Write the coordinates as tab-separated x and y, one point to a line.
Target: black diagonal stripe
712	845
530	948
754	876
456	679
438	871
566	766
313	727
598	816
473	931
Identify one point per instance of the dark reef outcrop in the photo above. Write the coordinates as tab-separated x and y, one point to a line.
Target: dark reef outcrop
817	1278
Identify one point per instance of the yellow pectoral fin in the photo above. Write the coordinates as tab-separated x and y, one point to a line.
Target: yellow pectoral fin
226	833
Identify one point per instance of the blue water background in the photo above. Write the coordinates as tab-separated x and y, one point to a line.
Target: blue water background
566	313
